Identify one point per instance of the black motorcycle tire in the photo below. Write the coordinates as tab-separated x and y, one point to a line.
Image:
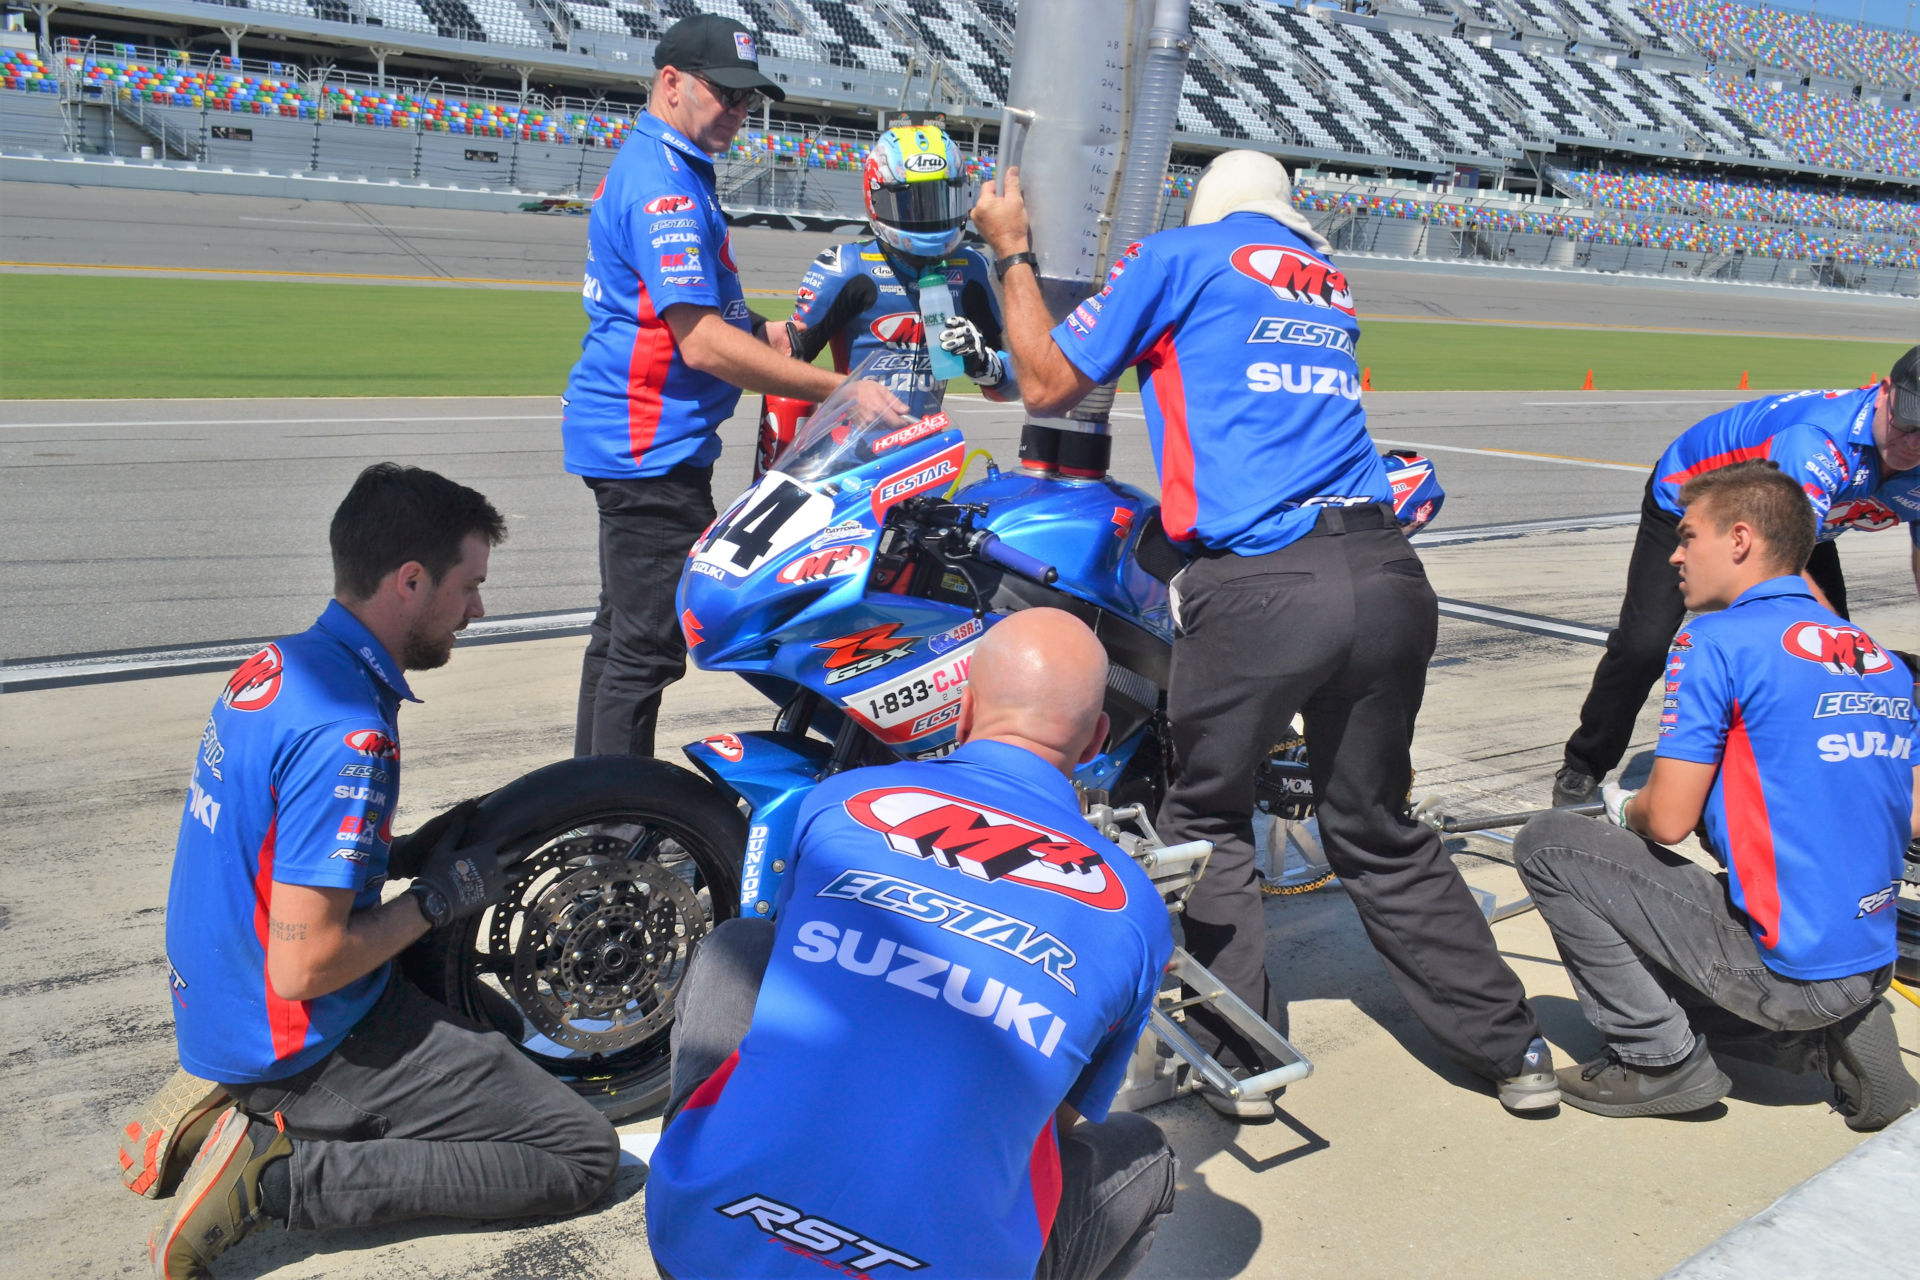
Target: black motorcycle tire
566	825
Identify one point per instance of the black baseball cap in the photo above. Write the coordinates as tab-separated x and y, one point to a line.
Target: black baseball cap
722	50
1906	388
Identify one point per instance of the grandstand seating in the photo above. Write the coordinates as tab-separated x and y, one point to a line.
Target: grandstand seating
1840	133
1650	191
1261	72
1621	228
1841	50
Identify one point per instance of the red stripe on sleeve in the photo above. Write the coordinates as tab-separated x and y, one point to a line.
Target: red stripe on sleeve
1719	460
1178	509
1043	1173
287	1020
1749	833
709	1091
646	374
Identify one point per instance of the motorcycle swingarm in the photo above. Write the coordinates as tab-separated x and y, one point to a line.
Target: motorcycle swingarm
772	773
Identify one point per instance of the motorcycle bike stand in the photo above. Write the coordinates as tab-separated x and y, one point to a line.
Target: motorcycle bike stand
1167	1062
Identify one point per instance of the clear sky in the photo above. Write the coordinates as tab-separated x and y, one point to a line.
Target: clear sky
1887	13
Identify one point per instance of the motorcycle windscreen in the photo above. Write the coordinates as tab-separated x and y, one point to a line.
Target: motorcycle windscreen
842	435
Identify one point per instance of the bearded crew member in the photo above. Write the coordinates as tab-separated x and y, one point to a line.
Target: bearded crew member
1283	506
355	1099
1779	718
670	343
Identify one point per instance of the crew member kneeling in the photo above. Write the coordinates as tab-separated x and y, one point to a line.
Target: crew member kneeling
1791	733
958	974
357	1100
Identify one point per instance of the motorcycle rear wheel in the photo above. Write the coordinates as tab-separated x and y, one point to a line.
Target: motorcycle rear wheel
622	865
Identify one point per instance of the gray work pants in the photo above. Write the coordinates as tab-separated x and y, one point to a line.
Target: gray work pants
1116	1177
420	1112
1337	626
1656	950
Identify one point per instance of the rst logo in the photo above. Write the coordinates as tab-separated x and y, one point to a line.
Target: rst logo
936	471
902	328
1294	276
834	562
257	683
817	1235
987	843
668	204
1841	650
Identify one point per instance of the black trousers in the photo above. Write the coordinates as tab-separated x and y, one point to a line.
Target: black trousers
1117	1177
1338	626
421	1112
1650	616
635	649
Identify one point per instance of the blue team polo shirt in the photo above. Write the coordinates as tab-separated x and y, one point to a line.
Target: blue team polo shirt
656	238
1244	338
294	782
1811	724
957	952
1822	439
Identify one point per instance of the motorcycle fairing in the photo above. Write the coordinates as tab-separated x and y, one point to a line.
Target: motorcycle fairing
772	772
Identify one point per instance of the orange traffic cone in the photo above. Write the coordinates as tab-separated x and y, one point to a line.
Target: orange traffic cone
1588	384
1366	379
1743	381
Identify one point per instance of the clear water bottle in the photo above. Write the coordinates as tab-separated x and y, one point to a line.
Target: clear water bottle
936	304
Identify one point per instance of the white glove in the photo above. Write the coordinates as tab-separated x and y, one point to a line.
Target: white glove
1615	797
963	338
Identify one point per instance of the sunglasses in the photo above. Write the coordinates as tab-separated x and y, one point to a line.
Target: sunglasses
733	99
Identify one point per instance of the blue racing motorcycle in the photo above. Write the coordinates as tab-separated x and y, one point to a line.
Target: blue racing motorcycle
849	585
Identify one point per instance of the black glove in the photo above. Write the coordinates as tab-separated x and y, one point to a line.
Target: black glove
408	852
963	338
458	879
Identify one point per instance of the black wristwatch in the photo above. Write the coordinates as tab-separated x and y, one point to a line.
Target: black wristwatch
433	903
1013	260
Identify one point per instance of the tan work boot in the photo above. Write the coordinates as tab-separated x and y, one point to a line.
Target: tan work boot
157	1145
219	1202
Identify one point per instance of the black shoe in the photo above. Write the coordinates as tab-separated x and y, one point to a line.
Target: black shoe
1574	785
1608	1086
1871	1087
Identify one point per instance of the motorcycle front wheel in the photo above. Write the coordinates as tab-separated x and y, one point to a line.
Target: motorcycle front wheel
622	865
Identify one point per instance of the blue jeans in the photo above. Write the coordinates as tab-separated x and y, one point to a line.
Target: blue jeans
1116	1177
1656	949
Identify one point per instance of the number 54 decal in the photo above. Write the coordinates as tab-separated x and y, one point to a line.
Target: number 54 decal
773	516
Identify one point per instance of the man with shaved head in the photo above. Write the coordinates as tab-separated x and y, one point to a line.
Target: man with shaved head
911	1066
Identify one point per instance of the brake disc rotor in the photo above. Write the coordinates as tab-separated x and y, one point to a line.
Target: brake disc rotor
600	950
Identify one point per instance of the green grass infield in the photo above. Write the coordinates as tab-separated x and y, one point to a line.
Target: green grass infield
71	336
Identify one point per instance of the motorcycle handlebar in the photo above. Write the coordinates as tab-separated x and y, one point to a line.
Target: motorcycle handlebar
995	552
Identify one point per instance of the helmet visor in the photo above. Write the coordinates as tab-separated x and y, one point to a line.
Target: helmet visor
922	206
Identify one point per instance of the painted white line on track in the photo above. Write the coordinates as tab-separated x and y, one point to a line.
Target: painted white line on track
1582	404
1521	528
1528	622
279	422
23	675
1520	455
